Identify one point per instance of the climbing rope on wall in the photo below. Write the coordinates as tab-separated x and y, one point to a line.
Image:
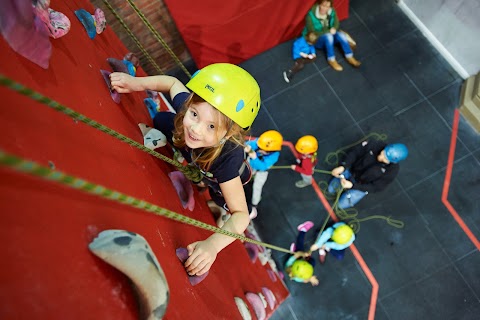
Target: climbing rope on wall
158	37
135	39
30	167
190	171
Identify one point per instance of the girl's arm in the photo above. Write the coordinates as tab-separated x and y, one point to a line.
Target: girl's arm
203	253
124	83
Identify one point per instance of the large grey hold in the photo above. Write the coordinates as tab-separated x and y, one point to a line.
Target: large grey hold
130	253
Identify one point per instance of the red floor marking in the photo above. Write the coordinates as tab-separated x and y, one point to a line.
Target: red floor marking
446	183
357	255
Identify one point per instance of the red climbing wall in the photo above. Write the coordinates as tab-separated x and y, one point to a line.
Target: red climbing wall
47	271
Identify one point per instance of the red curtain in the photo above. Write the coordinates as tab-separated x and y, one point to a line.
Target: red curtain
236	30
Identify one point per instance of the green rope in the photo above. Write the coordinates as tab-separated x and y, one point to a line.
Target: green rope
191	172
159	37
332	157
30	167
135	39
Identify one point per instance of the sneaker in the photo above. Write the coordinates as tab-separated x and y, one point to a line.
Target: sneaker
293	247
302	184
335	65
354	62
304	227
285	77
322	255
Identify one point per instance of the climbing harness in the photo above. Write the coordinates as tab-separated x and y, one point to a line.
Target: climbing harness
135	39
30	167
190	171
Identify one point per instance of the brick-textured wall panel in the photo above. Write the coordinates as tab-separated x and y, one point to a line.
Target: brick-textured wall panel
157	14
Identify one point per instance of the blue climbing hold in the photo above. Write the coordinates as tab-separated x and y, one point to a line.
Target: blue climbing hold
87	21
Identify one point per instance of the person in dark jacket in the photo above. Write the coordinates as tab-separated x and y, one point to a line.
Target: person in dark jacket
369	167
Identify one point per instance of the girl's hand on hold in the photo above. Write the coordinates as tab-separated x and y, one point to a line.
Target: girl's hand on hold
338	171
125	83
202	255
346	184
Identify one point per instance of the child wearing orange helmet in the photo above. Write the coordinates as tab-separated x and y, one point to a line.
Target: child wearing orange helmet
263	153
307	147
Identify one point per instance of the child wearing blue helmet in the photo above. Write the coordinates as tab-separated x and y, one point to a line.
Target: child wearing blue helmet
369	167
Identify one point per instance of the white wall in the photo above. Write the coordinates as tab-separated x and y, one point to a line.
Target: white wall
453	25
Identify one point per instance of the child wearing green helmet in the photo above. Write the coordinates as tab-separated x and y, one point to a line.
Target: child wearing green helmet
209	129
299	266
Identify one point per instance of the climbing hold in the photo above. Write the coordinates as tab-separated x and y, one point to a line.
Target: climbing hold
184	189
257	304
252	251
272	275
100	21
152	138
132	57
243	308
130	253
87	21
154	95
270	297
114	94
182	254
152	106
59	24
124	66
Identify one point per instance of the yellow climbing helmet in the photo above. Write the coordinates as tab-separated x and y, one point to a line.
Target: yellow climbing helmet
230	89
342	234
302	269
270	140
307	144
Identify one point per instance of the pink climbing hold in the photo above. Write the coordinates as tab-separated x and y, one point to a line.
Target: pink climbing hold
184	189
257	304
269	296
114	94
182	254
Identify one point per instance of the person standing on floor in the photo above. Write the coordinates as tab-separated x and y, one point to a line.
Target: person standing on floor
263	153
303	51
299	267
368	167
307	147
334	239
322	20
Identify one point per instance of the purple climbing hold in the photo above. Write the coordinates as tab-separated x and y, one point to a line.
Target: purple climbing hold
252	250
114	94
182	254
257	304
24	32
184	189
269	296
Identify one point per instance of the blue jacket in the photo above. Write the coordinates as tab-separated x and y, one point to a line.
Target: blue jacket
301	45
327	234
263	162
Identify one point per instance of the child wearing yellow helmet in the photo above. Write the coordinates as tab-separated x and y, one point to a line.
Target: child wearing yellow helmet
263	153
299	266
306	147
334	239
209	129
